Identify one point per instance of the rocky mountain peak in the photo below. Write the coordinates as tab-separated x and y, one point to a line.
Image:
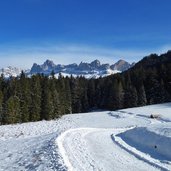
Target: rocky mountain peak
121	65
95	64
121	61
93	69
84	66
48	64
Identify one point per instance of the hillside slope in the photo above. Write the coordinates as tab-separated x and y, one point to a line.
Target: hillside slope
91	141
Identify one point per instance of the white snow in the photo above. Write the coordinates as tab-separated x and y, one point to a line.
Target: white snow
11	71
88	75
149	141
162	110
14	72
107	141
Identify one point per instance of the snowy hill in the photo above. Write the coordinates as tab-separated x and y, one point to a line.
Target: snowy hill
120	140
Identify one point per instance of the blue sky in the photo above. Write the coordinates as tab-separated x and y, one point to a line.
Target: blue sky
69	31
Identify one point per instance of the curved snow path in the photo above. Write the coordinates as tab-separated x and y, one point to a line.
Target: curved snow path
140	155
92	149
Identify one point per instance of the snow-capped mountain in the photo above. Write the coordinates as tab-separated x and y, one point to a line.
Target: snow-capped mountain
89	70
11	71
121	65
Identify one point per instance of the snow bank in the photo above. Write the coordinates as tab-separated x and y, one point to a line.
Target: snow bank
156	141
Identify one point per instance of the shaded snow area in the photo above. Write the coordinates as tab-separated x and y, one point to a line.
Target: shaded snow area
99	141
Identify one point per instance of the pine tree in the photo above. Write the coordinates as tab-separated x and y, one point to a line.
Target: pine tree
12	112
84	96
53	74
120	95
25	97
75	94
1	107
130	97
142	100
55	98
116	95
152	87
163	95
46	100
62	94
84	103
68	103
91	93
105	93
35	107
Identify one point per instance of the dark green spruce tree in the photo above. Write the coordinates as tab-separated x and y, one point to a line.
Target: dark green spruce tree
36	92
13	112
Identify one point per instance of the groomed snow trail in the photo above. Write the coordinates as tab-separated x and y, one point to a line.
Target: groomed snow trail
99	141
92	149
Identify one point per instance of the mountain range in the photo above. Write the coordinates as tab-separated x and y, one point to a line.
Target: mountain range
89	70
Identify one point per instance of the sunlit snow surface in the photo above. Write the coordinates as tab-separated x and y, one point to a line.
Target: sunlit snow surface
99	141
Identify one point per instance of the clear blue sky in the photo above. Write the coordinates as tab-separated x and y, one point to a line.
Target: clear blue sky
74	30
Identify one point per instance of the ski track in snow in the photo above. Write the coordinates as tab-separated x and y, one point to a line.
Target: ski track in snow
137	153
84	142
75	150
76	153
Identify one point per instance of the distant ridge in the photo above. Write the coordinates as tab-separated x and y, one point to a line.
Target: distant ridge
93	69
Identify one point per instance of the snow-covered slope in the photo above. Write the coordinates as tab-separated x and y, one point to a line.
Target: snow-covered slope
122	140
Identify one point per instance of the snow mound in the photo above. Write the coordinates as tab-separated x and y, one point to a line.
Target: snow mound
153	140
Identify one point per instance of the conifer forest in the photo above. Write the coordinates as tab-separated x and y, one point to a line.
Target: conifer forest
41	97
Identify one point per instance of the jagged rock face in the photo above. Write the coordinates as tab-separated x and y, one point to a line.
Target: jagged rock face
104	67
48	65
84	66
71	66
36	68
94	69
95	64
121	65
91	69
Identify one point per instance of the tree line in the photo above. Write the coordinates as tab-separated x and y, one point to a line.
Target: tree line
25	99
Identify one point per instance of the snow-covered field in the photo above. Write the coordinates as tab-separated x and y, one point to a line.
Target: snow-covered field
99	141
